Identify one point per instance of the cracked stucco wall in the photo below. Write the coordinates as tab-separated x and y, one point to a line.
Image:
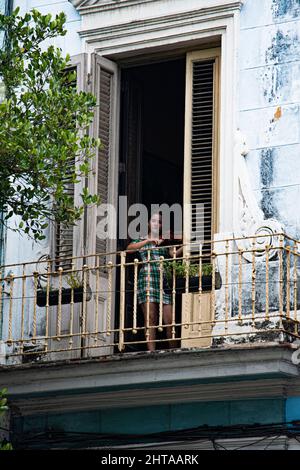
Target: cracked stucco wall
270	103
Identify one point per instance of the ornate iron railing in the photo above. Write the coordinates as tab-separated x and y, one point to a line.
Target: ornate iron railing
221	292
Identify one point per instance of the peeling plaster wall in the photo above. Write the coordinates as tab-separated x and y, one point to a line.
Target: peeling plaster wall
269	105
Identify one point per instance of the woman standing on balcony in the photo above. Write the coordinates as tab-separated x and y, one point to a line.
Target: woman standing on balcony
149	280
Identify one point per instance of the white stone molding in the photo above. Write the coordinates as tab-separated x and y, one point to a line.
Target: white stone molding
249	219
142	23
93	6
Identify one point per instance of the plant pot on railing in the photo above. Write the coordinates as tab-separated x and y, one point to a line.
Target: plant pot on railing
193	284
183	271
66	296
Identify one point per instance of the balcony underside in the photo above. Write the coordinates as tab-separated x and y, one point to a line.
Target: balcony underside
131	380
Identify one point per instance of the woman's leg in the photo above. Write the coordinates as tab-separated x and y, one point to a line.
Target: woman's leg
153	310
167	319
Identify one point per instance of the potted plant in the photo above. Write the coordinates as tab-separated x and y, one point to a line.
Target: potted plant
183	269
74	292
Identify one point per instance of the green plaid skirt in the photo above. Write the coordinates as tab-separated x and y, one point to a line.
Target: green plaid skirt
148	281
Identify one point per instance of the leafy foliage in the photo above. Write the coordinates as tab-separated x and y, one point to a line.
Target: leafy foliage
43	122
183	269
74	281
3	401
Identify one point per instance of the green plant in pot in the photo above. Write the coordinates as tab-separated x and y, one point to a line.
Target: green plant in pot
184	270
74	293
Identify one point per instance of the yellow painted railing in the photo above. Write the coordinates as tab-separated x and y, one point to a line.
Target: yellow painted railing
220	292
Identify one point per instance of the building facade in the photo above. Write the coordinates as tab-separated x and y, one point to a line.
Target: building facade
197	105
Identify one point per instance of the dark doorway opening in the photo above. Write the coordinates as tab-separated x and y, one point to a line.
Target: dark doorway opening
152	133
151	148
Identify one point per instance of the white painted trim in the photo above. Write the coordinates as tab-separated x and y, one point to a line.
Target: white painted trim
87	6
95	6
155	24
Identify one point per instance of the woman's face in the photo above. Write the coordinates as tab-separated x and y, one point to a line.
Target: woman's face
155	224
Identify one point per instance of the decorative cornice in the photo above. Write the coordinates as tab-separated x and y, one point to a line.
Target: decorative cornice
155	23
94	6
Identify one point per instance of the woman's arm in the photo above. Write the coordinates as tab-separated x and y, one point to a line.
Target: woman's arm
179	251
137	245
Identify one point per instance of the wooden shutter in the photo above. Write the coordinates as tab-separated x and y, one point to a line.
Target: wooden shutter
104	179
68	242
104	133
68	239
200	183
64	237
201	145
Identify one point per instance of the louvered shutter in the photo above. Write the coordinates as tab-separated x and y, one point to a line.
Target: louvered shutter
67	243
104	133
104	179
64	236
201	148
68	239
200	184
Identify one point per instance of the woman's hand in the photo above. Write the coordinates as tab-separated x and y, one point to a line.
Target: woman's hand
157	241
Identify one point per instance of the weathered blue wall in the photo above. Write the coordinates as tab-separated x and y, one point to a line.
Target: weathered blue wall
269	105
292	409
152	419
70	43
